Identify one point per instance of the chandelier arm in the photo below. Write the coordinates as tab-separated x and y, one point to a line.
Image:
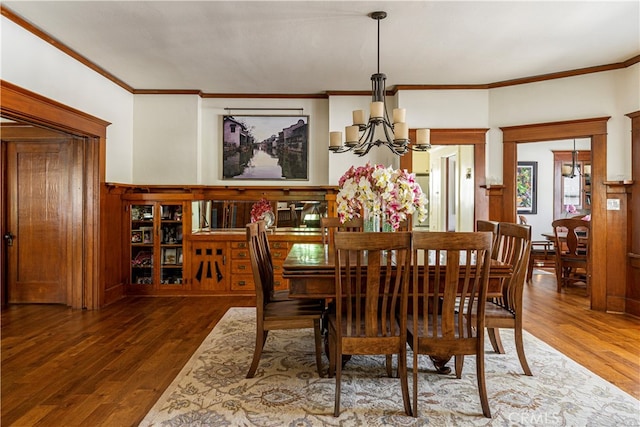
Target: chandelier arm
367	139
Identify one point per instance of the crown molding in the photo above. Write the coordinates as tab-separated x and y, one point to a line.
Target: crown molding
6	12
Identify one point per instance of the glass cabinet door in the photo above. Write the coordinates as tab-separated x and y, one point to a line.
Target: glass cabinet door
171	244
142	241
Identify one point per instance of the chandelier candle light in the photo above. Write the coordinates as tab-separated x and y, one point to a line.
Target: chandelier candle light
363	135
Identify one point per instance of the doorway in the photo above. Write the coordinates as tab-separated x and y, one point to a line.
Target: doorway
468	145
81	227
39	173
596	130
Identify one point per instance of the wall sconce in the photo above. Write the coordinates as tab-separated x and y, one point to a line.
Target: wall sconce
468	175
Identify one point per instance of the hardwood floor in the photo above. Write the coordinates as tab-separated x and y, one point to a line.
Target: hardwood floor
63	367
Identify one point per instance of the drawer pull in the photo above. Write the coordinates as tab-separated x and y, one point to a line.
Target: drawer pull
241	283
242	245
242	255
242	267
277	254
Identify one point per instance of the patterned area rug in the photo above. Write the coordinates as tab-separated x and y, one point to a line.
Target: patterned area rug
212	390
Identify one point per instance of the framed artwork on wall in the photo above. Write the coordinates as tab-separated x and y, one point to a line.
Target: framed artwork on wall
265	147
527	187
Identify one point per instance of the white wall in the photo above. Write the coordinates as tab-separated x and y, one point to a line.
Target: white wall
31	63
176	139
611	93
166	135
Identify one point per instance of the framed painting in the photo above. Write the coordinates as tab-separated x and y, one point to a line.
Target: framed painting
526	187
265	147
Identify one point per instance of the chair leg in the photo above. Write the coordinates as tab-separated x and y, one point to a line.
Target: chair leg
332	355
558	277
494	338
338	367
459	362
318	338
389	363
520	350
482	386
261	338
404	380
415	383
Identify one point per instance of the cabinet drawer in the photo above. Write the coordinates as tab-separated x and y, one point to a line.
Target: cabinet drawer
280	284
241	267
278	245
239	245
239	253
279	254
242	282
277	268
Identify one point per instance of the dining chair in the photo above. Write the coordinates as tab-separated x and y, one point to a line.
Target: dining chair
441	320
514	246
543	253
271	313
329	225
372	279
572	252
486	225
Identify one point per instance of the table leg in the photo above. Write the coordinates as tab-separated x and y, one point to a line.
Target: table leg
440	364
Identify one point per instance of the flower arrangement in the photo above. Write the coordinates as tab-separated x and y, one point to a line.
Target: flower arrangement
386	192
570	209
259	209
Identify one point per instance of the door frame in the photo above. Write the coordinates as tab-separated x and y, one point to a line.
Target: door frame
25	106
596	130
461	136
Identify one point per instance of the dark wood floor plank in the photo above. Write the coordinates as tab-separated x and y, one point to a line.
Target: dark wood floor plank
63	367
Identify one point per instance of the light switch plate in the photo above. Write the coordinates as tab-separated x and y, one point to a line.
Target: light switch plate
613	204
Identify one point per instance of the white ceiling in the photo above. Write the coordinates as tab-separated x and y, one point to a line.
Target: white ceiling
307	47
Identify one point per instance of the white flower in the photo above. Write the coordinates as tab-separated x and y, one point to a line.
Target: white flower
393	194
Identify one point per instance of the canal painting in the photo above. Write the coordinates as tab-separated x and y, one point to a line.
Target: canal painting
265	147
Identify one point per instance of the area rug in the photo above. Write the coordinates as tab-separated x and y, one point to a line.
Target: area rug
212	389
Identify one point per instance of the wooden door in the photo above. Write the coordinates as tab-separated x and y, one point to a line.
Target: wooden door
38	189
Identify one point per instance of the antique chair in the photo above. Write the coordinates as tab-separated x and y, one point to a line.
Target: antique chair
272	314
572	252
329	225
372	279
543	253
441	323
514	245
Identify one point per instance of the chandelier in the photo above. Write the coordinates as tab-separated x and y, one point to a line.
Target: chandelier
572	170
378	130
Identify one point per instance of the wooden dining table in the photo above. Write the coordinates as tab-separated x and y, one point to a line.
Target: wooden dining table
310	268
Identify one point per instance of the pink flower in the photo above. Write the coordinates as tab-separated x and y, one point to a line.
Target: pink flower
259	209
570	209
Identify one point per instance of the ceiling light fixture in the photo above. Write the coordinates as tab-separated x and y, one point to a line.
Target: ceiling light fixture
572	170
379	130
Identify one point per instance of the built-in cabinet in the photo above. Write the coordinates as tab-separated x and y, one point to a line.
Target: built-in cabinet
192	240
220	262
155	245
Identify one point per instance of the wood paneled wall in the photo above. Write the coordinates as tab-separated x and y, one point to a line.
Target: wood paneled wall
632	303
